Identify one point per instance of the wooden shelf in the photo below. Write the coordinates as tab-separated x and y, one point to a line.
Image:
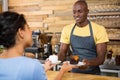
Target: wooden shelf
107	27
115	39
114	43
104	13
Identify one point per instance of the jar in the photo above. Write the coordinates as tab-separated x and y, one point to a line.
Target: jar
54	40
57	48
117	60
47	50
109	54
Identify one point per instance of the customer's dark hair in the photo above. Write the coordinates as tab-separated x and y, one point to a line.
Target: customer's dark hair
10	22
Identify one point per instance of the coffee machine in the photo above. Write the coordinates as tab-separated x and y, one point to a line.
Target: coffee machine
47	48
35	49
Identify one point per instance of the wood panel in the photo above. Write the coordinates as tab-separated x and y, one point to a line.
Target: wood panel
24	8
35	24
52	19
23	2
37	18
114	34
37	12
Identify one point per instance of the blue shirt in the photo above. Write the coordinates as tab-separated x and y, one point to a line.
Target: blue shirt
21	68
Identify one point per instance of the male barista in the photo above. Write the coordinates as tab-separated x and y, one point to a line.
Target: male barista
88	40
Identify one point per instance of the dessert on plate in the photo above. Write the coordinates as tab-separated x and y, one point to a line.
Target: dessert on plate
74	59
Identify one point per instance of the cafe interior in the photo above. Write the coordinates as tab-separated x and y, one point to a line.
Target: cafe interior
47	18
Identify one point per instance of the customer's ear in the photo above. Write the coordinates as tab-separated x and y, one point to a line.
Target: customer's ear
21	33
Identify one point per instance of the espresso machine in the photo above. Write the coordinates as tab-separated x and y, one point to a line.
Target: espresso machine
35	49
47	48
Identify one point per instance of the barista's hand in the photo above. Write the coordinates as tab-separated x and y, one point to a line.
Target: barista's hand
85	66
48	65
86	62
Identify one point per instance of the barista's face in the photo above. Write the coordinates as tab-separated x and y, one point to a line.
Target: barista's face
80	12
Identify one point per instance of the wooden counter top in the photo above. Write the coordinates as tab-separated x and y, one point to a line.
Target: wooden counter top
77	76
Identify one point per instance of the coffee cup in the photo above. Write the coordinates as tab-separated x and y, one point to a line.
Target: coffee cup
53	58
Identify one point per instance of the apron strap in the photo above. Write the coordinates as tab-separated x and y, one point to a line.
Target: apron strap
90	26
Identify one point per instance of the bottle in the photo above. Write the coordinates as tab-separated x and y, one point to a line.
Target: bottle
109	54
117	59
54	40
57	48
47	50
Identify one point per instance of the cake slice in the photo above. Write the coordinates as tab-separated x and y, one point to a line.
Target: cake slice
74	59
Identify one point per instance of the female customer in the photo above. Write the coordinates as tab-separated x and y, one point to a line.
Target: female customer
15	36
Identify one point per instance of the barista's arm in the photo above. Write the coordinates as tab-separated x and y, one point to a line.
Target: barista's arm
63	50
101	51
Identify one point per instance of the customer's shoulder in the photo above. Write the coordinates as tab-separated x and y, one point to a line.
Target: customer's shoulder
29	60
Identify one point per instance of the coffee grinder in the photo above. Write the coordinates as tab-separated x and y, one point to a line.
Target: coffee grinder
47	48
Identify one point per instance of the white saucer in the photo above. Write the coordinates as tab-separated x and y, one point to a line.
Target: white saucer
79	63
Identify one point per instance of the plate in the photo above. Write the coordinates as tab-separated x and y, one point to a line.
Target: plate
79	63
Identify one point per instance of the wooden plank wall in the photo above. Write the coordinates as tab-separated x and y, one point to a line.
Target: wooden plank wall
53	15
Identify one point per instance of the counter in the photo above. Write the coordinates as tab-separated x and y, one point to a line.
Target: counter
110	69
77	76
106	70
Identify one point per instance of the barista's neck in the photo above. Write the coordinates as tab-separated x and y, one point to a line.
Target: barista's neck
82	24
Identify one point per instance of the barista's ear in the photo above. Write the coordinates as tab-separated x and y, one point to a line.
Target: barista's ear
21	33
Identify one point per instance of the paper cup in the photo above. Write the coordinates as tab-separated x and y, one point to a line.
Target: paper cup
53	59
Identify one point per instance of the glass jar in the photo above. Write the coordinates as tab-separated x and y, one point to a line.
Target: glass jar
109	54
117	60
57	48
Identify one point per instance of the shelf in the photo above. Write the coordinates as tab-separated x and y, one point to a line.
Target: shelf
107	27
111	71
104	13
114	42
114	39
